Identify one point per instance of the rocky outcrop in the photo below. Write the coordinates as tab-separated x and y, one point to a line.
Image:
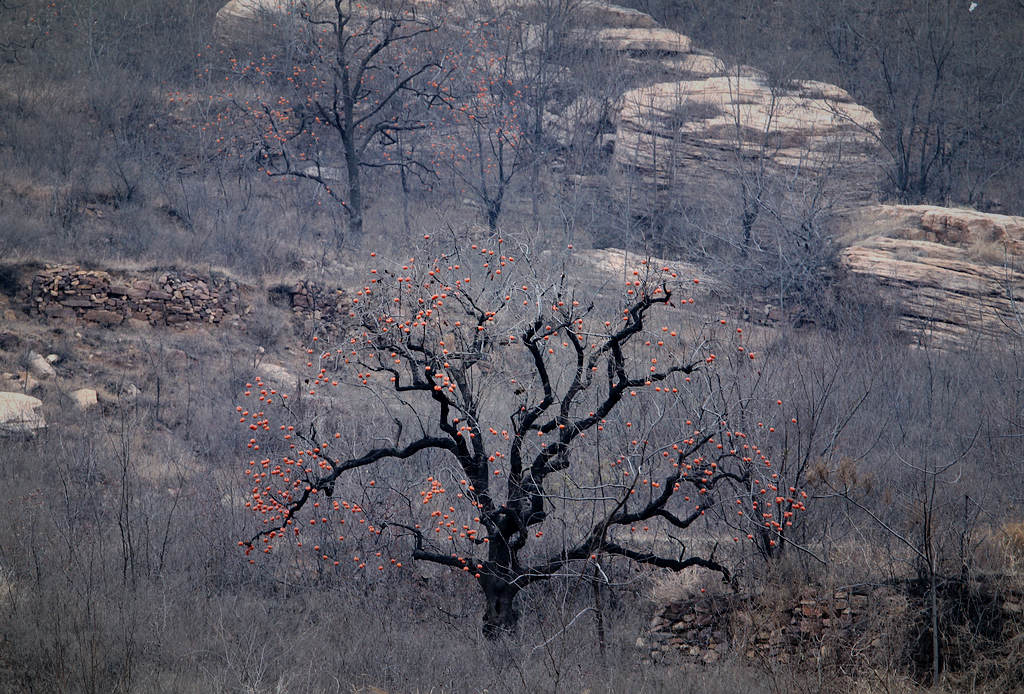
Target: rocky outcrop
707	124
614	16
712	128
698	122
241	21
20	415
951	274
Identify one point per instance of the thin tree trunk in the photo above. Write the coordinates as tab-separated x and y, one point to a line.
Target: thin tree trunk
599	608
355	198
935	628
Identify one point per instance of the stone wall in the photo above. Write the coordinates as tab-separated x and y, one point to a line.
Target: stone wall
704	629
323	305
162	297
875	622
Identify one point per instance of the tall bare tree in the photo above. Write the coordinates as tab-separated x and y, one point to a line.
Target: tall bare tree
349	79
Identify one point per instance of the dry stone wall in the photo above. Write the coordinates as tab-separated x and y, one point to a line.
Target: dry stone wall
164	297
320	304
169	297
866	623
705	628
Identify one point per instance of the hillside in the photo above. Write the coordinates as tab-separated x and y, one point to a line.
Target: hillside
625	365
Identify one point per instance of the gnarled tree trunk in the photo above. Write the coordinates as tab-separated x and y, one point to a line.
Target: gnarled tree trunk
501	614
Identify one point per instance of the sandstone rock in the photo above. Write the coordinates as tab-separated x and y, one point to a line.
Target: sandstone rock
22	382
240	20
84	398
946	270
39	367
616	16
648	40
688	129
19	414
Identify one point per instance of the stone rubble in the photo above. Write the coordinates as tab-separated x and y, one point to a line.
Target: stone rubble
702	629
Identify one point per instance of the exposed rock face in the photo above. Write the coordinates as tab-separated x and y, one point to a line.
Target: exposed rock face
706	127
708	124
645	40
19	414
951	272
239	20
615	16
700	123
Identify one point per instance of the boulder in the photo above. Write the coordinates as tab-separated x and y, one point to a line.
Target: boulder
84	398
19	414
39	367
277	375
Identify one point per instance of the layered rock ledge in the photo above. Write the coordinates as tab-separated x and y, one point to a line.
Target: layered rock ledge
952	274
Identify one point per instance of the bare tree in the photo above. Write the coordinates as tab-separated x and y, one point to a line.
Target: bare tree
485	145
360	74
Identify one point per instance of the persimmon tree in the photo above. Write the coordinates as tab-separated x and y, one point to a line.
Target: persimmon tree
539	426
348	81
